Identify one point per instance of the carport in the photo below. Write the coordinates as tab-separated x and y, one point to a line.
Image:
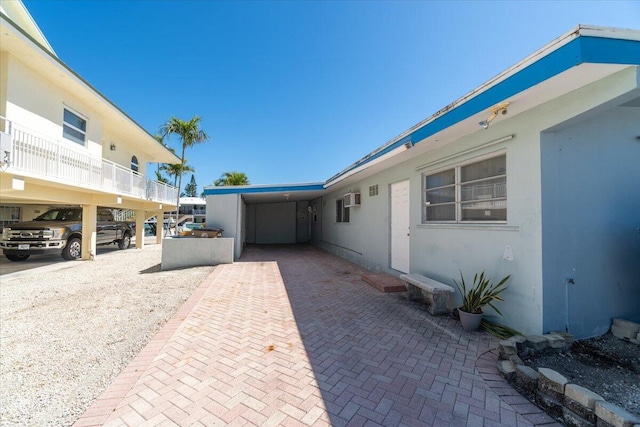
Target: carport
266	214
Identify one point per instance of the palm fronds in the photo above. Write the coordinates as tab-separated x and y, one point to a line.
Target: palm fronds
499	331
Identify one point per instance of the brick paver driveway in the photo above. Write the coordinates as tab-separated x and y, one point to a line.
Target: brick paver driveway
292	336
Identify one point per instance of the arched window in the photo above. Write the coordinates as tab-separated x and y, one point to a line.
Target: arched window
134	164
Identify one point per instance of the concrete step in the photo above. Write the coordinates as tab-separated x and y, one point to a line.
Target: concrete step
384	282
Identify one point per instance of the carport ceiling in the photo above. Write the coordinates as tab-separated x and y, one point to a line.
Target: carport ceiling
282	196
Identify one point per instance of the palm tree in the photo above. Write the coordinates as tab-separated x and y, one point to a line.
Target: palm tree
190	134
176	169
161	166
232	178
161	178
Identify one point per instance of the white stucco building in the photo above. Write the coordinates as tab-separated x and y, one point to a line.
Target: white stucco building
63	142
534	174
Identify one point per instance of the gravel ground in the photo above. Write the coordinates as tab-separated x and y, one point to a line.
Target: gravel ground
606	365
66	334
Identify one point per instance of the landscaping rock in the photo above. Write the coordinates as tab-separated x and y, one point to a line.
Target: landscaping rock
627	324
519	340
516	360
581	401
568	338
574	420
623	333
507	348
507	369
527	380
551	383
625	329
581	395
555	341
536	342
549	404
614	415
606	365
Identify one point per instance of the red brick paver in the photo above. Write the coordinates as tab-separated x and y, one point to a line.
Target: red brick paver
292	336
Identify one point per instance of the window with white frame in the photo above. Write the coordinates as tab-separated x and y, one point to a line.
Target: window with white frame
74	127
342	212
472	192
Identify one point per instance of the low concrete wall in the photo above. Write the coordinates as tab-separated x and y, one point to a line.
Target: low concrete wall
190	252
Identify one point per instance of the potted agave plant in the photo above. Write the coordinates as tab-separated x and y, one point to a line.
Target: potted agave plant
482	293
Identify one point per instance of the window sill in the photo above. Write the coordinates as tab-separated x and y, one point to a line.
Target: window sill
475	226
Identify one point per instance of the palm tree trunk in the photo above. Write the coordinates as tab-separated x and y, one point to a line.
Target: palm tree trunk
179	185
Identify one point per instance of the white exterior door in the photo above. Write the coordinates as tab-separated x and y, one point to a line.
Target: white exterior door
400	240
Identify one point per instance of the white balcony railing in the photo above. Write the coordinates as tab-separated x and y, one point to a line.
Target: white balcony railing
44	158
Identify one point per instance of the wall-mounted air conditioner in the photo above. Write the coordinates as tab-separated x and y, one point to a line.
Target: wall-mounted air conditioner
351	199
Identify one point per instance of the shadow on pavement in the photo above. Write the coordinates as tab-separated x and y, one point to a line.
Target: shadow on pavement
376	357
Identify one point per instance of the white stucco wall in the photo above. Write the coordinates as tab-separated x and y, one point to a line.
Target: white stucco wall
225	211
442	251
182	252
4	66
36	105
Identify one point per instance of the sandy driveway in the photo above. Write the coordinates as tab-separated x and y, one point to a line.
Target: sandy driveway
65	334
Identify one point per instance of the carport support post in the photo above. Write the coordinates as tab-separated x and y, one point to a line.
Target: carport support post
141	216
89	224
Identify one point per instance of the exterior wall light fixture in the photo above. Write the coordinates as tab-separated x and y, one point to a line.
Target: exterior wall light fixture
112	147
495	110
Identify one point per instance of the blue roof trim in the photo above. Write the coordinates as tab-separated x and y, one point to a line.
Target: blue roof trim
610	51
265	189
546	67
580	50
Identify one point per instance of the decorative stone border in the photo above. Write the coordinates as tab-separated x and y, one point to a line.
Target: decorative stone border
626	330
572	404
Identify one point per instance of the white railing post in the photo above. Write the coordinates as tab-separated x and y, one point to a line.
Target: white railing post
57	161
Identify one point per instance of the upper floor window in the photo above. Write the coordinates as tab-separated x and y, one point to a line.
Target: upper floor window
342	212
134	164
74	127
467	193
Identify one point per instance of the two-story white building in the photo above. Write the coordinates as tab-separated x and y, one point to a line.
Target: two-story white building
63	142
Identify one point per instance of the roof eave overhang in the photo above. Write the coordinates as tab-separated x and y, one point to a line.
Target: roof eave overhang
269	188
272	193
585	44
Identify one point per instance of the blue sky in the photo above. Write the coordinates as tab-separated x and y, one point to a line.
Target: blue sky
296	91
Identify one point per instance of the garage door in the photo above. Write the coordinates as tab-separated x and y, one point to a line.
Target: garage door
276	223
